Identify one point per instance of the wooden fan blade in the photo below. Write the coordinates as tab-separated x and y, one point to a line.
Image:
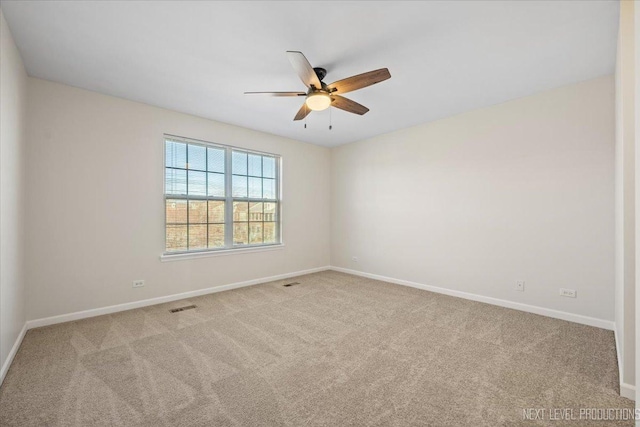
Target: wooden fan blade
302	112
348	105
304	69
277	93
358	82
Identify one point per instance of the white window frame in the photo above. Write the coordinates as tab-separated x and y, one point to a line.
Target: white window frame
229	247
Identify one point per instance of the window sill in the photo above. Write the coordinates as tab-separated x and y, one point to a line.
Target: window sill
222	252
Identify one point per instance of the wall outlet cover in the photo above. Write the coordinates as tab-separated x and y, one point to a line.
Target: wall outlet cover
571	293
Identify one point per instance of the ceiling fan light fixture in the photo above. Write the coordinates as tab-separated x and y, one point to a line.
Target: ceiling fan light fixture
318	101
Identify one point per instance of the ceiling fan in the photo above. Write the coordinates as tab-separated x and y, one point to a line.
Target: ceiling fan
321	96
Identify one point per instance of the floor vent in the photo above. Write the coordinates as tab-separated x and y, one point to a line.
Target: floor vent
291	284
187	307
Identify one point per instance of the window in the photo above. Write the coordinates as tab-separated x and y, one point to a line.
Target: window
219	197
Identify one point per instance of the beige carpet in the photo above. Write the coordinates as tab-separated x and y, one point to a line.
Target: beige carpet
335	350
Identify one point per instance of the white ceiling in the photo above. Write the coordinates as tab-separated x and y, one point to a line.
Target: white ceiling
445	57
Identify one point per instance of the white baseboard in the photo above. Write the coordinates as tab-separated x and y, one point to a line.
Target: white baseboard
159	300
626	390
12	354
571	317
556	314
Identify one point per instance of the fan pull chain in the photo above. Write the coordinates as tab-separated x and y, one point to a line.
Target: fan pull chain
330	125
306	114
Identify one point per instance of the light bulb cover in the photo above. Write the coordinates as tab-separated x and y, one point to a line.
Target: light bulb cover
318	101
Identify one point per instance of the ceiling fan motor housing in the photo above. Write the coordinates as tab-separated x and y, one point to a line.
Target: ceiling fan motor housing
320	72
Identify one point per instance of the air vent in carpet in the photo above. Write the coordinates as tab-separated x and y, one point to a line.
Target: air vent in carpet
187	307
291	284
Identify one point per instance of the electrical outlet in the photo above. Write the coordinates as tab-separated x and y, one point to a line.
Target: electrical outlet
571	293
354	259
520	285
138	283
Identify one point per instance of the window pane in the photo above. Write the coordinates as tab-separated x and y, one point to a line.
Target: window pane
269	188
175	154
197	159
255	232
270	211
239	163
240	210
197	172
269	167
255	211
255	165
215	160
255	188
176	211
270	232
176	238
197	236
216	235
216	211
197	212
216	185
239	185
175	181
240	234
197	183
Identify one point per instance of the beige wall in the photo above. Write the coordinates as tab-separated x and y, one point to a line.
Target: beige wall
13	93
625	199
95	206
518	191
